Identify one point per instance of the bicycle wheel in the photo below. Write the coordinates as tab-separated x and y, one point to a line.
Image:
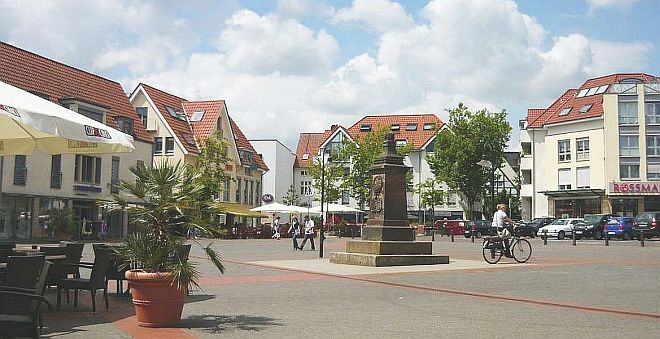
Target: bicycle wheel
491	254
521	250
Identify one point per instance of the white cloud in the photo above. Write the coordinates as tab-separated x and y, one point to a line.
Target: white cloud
612	57
375	15
622	4
304	8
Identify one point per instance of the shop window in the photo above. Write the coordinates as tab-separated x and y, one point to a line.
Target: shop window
582	149
629	145
564	150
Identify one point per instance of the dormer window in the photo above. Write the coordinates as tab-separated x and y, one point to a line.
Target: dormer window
305	156
197	116
395	127
125	125
586	108
400	143
365	128
565	111
429	126
175	113
411	127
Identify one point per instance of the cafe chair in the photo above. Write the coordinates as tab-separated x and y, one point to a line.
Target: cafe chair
23	271
20	311
97	280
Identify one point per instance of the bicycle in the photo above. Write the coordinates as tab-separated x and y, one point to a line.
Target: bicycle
493	249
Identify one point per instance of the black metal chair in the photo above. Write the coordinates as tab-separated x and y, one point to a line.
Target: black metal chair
96	281
23	271
74	252
20	311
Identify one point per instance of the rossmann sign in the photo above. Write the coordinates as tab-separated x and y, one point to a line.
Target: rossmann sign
635	188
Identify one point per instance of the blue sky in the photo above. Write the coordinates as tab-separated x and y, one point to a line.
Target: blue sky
291	66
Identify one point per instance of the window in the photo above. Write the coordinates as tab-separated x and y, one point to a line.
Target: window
142	113
564	176
248	170
429	126
87	169
629	145
627	110
303	173
305	156
653	145
125	125
400	143
582	93
173	112
564	150
395	127
56	171
197	116
305	188
602	89
652	108
565	111
114	175
345	198
452	200
20	170
628	88
169	145
653	169
158	145
586	108
411	127
592	91
238	190
365	128
583	178
246	192
629	171
92	115
582	149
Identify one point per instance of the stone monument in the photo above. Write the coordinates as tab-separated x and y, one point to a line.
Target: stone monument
388	239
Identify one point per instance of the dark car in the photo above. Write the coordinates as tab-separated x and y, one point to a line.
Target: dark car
535	224
526	230
480	227
647	222
621	227
593	226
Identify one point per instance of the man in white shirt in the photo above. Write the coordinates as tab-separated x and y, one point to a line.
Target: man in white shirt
309	233
501	221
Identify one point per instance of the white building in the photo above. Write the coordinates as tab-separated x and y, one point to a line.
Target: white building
279	160
596	149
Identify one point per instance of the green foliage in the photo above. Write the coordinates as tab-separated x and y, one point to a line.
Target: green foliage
211	164
171	200
62	220
431	193
334	171
292	197
468	138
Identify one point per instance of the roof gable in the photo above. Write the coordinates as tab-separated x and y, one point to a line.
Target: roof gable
411	127
243	144
308	146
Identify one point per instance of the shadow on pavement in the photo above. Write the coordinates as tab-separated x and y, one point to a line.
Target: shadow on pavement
193	298
220	323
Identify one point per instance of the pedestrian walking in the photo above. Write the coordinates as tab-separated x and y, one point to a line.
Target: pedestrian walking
294	230
309	233
276	228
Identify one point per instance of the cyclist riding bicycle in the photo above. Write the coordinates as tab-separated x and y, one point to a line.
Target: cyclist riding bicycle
500	225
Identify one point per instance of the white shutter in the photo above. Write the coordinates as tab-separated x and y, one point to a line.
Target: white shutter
583	179
564	176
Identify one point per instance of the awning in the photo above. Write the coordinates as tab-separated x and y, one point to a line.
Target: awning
236	209
577	193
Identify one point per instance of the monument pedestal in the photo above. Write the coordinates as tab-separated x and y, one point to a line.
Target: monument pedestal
388	240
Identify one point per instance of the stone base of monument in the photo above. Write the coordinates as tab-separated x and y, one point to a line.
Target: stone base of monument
388	253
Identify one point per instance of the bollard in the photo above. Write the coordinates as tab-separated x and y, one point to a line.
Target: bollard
472	235
641	238
352	232
433	235
452	237
574	243
607	239
545	237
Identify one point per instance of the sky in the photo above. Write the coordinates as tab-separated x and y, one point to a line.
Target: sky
291	66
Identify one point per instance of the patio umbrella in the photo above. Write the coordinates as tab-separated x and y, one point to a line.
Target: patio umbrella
28	121
335	208
276	207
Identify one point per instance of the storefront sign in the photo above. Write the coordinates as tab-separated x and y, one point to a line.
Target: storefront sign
631	188
87	188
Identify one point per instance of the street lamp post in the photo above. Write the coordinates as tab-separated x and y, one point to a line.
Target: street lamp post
322	229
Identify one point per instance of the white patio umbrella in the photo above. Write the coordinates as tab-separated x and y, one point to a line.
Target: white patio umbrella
335	208
276	207
28	121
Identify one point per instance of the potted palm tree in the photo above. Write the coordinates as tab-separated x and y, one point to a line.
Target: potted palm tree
167	202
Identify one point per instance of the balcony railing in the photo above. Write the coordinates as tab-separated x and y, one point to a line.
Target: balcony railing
55	179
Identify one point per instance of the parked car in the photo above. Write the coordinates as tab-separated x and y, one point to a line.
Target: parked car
454	227
620	227
539	222
525	230
647	222
593	225
559	228
480	227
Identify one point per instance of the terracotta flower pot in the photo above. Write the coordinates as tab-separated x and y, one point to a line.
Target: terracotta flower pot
157	302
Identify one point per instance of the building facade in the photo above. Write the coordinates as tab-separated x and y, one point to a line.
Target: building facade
596	149
279	178
35	185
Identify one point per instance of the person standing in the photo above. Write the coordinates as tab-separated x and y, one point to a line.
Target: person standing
309	233
276	228
294	230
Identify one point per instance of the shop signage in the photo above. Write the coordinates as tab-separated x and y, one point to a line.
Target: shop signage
87	188
635	187
267	198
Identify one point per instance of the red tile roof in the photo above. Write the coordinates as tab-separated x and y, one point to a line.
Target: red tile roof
537	118
181	128
208	124
308	143
417	138
243	144
32	72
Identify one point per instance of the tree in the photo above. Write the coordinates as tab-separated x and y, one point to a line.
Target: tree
211	165
292	197
334	171
432	194
468	138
